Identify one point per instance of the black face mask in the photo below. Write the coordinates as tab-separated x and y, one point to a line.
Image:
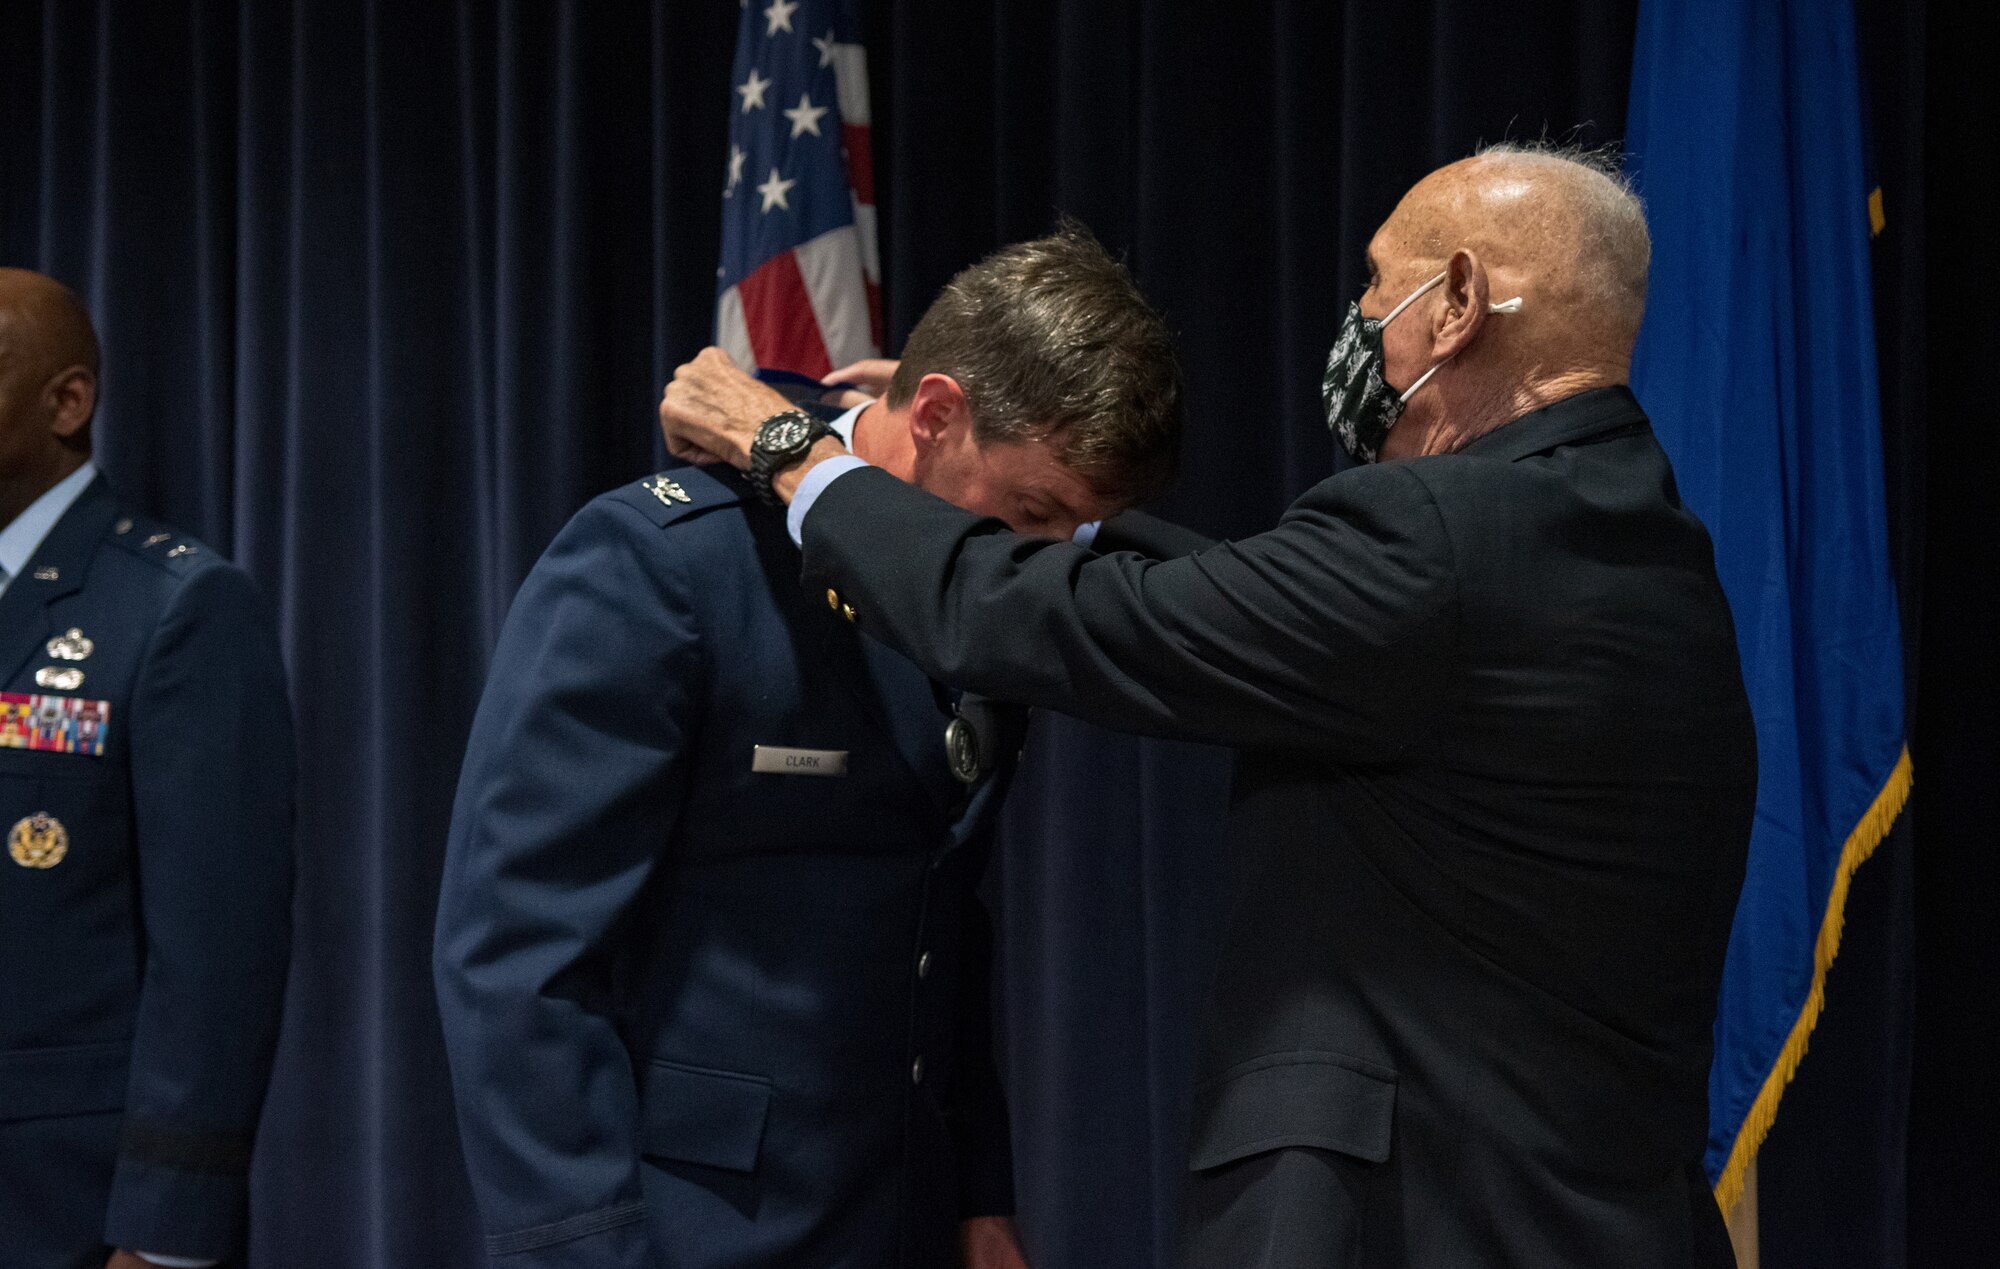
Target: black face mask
1361	407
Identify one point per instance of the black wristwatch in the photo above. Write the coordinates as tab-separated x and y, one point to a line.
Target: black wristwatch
782	440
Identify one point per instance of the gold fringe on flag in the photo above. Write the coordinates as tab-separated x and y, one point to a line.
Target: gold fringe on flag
1861	843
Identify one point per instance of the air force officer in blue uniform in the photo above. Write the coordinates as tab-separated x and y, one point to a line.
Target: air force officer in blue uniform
712	970
146	793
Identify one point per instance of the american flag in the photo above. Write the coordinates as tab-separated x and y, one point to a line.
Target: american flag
799	286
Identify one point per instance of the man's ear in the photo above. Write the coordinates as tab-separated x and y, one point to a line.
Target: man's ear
936	409
1466	292
71	397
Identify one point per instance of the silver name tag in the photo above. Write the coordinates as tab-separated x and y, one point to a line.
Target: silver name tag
774	760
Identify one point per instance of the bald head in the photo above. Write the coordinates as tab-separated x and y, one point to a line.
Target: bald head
48	386
43	326
1560	228
1561	231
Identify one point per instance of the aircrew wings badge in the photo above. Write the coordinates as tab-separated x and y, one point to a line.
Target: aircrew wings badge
57	724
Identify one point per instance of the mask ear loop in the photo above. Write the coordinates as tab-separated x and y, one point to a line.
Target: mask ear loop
1412	298
1504	306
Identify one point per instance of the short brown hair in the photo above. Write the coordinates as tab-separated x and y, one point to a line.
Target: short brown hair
1051	338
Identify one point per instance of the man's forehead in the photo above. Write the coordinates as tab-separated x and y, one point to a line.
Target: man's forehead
1032	466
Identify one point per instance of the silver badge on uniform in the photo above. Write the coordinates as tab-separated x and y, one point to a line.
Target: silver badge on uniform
667	491
63	678
73	646
779	760
961	746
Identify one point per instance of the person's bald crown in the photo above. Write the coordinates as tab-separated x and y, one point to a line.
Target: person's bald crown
43	321
1561	221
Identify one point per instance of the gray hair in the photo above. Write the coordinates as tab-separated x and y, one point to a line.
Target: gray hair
1597	210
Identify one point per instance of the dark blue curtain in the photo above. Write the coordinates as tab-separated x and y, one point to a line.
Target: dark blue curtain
388	287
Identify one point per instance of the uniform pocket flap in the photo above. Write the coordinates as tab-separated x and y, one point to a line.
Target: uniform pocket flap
74	1080
1325	1101
695	1115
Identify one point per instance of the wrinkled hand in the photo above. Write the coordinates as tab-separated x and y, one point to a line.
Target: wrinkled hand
991	1242
870	377
710	412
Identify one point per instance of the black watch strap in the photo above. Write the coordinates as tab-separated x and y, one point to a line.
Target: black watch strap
781	440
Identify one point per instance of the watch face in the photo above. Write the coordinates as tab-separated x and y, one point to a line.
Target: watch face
787	434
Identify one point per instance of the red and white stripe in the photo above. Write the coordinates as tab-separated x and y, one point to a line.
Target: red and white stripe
818	307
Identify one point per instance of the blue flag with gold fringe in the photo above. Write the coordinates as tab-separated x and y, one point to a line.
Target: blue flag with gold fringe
1747	138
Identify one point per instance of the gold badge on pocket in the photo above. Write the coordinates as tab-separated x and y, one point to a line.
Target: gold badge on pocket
39	841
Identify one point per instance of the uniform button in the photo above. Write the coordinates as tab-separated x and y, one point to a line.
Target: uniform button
833	599
924	965
917	1070
847	611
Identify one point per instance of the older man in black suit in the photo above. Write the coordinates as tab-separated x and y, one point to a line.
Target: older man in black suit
1495	771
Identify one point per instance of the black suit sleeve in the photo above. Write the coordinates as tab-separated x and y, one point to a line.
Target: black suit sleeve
1148	535
1331	634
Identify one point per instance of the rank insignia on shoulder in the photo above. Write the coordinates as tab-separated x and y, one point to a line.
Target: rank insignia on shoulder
155	540
182	549
38	841
54	724
72	646
63	678
666	490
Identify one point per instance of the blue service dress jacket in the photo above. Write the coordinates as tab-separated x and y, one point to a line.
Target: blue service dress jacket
146	789
710	963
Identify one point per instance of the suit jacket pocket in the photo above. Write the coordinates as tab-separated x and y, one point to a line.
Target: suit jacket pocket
1325	1101
693	1114
77	1080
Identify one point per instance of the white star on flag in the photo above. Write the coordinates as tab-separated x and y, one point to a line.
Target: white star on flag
805	116
800	275
773	191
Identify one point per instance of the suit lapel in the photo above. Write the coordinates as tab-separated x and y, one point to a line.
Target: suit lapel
55	570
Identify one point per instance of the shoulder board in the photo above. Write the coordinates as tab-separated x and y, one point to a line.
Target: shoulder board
160	544
681	492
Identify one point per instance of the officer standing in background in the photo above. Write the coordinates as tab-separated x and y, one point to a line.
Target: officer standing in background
146	794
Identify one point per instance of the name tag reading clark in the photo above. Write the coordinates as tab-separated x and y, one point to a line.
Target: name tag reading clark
775	760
